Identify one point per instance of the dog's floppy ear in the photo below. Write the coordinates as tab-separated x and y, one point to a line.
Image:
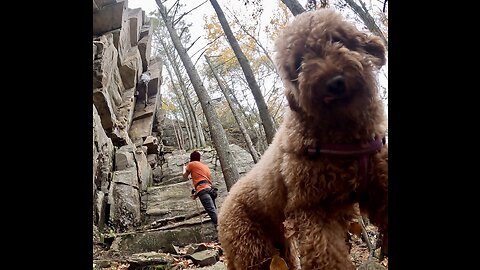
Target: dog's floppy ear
374	46
292	102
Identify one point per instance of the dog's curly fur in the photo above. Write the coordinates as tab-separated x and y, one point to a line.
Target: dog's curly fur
290	199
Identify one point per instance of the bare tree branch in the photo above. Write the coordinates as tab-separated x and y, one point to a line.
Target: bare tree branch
179	18
363	13
173	5
251	36
208	44
191	45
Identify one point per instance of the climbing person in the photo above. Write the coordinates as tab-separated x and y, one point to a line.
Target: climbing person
144	80
202	182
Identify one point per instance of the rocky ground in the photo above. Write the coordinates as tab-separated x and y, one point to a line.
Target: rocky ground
176	234
208	256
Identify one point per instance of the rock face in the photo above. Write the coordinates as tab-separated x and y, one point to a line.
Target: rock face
171	216
138	188
121	169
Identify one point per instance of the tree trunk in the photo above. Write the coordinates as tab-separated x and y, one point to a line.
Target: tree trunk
267	120
193	117
261	143
361	11
370	23
186	117
201	133
180	132
219	138
294	6
248	141
176	135
187	126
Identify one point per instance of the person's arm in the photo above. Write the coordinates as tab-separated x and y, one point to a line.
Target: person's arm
185	172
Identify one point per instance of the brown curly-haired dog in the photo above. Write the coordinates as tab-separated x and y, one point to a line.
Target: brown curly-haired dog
326	156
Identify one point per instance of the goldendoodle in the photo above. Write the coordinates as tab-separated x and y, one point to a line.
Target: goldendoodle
326	157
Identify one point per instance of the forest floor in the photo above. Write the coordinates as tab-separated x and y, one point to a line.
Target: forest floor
359	254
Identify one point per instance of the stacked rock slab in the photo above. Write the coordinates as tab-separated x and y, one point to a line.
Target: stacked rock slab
122	125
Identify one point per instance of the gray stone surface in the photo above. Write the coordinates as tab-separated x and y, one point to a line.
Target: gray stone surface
103	152
121	41
141	128
172	200
146	29
124	158
120	137
157	174
142	112
216	266
102	3
125	110
105	60
144	169
205	257
115	87
159	240
124	200
153	160
149	258
127	176
144	46
105	109
108	17
151	143
100	209
136	22
131	69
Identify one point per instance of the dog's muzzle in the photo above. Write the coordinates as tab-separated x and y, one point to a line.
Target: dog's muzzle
336	89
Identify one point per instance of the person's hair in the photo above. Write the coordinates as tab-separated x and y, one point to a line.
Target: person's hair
195	156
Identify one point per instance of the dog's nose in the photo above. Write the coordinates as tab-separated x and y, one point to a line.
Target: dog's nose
336	85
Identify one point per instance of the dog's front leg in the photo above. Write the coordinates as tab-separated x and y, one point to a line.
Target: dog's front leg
321	241
375	200
247	243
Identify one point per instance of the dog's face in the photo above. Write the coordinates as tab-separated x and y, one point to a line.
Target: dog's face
326	64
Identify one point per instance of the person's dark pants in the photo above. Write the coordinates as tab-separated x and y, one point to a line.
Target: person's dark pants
146	93
209	204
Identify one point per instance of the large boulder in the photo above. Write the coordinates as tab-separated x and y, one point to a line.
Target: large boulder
144	170
131	69
105	108
108	17
103	152
124	200
163	239
105	59
136	22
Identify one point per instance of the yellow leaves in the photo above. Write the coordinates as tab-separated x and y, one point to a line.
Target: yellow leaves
168	106
278	263
219	45
278	21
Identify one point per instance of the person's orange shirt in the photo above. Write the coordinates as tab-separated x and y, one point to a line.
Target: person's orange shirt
199	171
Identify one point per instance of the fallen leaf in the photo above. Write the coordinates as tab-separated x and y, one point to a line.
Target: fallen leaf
278	263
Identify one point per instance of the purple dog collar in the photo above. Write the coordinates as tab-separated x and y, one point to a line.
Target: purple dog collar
348	150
